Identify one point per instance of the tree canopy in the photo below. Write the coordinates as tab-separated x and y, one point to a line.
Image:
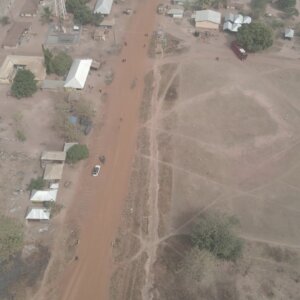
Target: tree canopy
82	13
77	152
286	4
24	84
213	233
255	37
47	15
11	237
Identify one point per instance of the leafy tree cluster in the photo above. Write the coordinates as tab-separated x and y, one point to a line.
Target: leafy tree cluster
77	152
82	13
47	15
36	184
24	84
58	64
255	37
288	6
204	4
11	237
214	234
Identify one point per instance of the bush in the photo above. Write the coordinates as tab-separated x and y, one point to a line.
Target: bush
258	7
61	63
24	84
4	20
20	135
11	238
47	15
213	233
286	4
36	184
255	37
77	152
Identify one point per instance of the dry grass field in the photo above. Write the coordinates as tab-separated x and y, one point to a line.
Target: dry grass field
220	136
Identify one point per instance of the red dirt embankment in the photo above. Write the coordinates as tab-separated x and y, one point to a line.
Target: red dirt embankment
88	277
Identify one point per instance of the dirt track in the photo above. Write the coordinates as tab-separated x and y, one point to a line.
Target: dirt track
88	278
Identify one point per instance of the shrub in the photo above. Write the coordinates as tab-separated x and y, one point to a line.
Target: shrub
4	20
77	152
47	15
213	233
255	37
286	4
61	63
20	135
11	237
36	184
24	84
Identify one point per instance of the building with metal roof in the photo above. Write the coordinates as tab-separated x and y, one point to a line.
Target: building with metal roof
207	19
54	156
289	33
38	214
43	196
53	171
103	7
175	13
78	74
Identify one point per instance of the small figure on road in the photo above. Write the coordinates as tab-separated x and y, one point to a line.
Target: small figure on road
125	43
124	60
144	46
76	258
146	34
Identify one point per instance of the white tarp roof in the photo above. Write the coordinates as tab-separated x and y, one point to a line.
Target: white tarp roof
247	20
208	15
54	186
78	73
175	11
103	7
238	19
43	196
289	33
38	214
227	26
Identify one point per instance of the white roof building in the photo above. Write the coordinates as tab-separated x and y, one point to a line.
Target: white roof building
227	26
38	214
103	7
78	73
289	33
207	15
43	196
238	19
247	20
175	13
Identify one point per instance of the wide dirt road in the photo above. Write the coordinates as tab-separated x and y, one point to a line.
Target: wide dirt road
88	278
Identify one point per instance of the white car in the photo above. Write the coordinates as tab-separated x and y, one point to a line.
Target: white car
96	170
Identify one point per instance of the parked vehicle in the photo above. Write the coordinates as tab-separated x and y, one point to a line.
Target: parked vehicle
96	170
239	51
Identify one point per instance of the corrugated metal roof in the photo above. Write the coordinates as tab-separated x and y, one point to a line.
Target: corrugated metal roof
78	73
43	196
54	155
208	15
103	7
38	214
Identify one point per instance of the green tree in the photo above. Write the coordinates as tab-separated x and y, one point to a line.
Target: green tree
4	20
24	84
255	37
213	233
77	152
286	4
11	238
61	63
36	184
48	56
47	15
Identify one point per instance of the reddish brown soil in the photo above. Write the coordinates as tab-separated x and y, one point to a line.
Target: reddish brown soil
89	276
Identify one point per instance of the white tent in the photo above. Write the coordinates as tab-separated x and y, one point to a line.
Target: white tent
38	214
235	27
227	26
103	7
247	20
78	73
43	196
238	19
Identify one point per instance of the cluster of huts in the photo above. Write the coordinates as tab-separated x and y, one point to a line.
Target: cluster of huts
52	163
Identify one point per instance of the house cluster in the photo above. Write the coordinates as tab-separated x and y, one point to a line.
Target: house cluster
234	21
52	163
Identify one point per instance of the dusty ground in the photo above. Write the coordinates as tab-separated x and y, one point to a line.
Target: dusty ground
217	136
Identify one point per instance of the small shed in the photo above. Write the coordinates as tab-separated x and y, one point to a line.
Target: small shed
176	13
44	196
207	19
53	172
67	146
289	33
38	214
227	26
108	23
103	7
238	19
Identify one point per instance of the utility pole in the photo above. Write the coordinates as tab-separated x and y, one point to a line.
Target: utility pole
60	9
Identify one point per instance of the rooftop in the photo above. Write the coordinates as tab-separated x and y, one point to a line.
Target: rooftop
289	33
53	171
54	155
38	214
43	196
207	15
103	7
29	8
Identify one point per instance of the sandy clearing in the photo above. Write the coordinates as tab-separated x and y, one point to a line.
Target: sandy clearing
88	278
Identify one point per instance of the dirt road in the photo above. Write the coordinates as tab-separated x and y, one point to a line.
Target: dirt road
88	277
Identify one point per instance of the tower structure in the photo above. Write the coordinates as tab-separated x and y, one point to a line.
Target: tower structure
60	9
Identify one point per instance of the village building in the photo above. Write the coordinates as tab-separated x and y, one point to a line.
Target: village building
38	214
176	13
30	8
13	63
207	19
289	33
53	157
78	74
53	172
103	7
44	196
